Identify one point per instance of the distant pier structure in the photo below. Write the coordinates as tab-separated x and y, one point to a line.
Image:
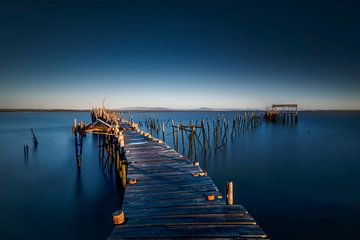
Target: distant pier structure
282	113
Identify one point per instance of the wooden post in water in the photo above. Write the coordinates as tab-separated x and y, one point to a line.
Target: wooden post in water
173	131
182	138
26	150
74	126
229	193
177	138
36	142
163	130
208	140
203	134
193	134
190	141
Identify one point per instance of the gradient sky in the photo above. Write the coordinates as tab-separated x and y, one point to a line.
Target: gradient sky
180	54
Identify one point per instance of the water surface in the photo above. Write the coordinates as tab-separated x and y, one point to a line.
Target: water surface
298	182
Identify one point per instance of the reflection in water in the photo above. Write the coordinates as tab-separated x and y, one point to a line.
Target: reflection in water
106	155
78	149
26	160
110	162
78	184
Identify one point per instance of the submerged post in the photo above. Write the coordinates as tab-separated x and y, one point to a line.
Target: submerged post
229	193
36	142
26	150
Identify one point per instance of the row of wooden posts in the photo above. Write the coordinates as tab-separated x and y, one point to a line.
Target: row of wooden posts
281	117
111	142
202	134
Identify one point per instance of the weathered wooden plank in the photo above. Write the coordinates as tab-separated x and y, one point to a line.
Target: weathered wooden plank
199	219
203	186
239	231
174	203
179	185
161	167
179	169
187	210
142	180
174	178
145	198
170	192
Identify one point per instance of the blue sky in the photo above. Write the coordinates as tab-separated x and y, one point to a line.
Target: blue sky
179	54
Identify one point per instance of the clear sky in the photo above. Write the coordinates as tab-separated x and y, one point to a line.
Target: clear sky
180	54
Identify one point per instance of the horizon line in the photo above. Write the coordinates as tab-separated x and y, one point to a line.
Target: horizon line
156	109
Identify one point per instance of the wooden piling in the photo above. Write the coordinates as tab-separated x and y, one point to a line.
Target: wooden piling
229	193
173	131
118	217
74	126
182	138
203	134
36	142
163	130
24	150
194	134
122	146
177	138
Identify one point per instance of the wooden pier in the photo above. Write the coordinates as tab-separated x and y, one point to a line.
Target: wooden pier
168	196
282	113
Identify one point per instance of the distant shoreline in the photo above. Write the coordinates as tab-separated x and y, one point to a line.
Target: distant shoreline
167	110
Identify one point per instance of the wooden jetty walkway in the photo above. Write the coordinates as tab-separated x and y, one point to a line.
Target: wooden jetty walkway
168	196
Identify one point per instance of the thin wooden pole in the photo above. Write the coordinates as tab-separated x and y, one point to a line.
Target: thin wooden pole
182	139
193	133
173	131
203	134
177	138
208	127
229	193
190	141
36	142
163	130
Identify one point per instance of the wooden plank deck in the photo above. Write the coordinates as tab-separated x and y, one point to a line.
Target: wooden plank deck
169	202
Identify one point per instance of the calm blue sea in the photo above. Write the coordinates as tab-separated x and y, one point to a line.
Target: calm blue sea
298	181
